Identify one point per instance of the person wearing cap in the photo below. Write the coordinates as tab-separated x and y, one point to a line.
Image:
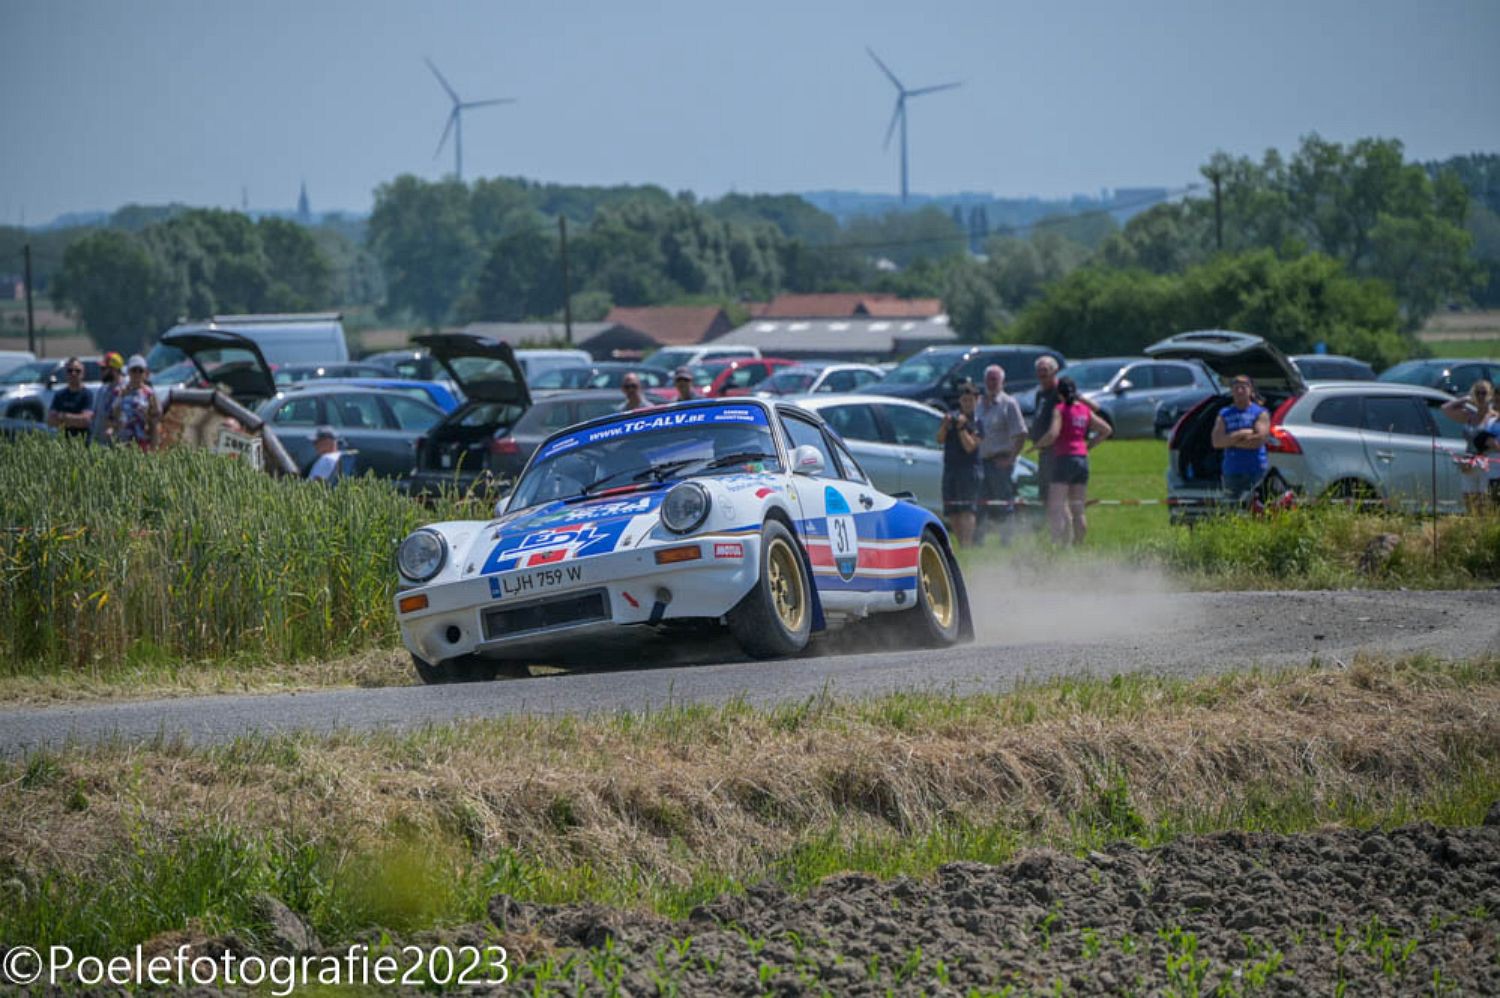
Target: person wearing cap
112	381
631	386
960	434
135	415
1241	431
325	467
682	380
72	408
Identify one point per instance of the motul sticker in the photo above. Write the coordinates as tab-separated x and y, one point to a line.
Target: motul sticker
729	550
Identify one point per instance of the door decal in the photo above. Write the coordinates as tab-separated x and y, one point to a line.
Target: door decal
842	536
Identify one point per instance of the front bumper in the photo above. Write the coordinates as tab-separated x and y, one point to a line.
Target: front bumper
524	610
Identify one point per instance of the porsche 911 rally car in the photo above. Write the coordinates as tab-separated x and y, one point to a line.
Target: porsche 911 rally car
748	512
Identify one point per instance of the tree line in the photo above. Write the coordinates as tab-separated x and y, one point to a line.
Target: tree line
1352	246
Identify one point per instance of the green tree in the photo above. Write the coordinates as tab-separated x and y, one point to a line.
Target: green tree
301	276
122	293
521	279
424	238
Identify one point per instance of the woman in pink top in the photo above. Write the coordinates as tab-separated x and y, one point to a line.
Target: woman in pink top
1075	428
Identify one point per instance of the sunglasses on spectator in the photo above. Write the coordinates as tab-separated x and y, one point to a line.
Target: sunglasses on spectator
75	370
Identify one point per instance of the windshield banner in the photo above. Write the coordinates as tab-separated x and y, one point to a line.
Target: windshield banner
752	415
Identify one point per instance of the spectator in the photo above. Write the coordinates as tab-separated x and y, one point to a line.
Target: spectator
112	381
631	386
72	408
326	465
1241	431
1075	428
682	380
960	434
1002	435
135	416
1473	413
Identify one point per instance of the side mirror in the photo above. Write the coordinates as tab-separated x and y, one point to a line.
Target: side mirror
1123	385
806	460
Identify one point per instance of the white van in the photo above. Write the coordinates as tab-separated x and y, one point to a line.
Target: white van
284	338
535	362
671	358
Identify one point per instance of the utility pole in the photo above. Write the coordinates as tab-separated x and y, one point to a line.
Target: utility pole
562	232
1216	176
30	316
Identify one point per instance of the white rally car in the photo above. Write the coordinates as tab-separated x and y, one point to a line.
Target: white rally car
747	511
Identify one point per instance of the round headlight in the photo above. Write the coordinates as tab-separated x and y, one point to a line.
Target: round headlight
421	555
685	508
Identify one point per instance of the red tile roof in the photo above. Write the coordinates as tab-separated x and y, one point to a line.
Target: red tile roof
672	325
845	304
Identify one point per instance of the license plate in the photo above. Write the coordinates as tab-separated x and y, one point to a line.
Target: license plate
535	581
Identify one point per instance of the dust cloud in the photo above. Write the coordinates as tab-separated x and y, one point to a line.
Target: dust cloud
1071	599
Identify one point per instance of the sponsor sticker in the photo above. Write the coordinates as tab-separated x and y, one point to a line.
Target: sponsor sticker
729	549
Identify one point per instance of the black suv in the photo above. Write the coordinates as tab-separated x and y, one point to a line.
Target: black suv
933	375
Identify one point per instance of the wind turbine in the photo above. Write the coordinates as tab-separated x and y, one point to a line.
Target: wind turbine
456	121
900	113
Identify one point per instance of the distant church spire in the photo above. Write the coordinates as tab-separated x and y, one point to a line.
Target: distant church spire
304	212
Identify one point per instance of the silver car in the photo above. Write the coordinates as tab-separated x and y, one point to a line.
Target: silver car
1130	391
895	441
817	376
1329	440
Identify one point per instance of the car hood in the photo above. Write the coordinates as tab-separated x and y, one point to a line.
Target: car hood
567	531
484	369
1229	353
242	370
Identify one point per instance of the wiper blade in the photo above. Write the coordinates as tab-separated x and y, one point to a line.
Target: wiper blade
657	471
743	457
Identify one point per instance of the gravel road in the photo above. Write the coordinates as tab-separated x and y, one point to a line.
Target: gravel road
1114	625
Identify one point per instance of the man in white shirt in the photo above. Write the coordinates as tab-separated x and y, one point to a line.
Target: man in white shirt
326	467
1004	434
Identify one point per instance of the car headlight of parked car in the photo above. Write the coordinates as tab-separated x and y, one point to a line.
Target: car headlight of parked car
685	508
421	555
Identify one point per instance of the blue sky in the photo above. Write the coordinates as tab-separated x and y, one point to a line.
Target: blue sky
194	100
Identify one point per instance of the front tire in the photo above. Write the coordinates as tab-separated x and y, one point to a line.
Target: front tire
936	620
468	669
774	620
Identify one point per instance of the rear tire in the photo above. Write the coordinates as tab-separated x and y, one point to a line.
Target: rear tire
1353	492
936	620
774	619
469	669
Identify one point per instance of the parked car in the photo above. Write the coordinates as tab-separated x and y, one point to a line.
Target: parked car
438	393
895	441
743	511
727	378
601	374
12	359
26	391
548	413
456	451
671	358
223	359
809	377
1130	391
535	363
934	374
382	426
413	363
1452	376
1332	367
280	338
291	374
1372	440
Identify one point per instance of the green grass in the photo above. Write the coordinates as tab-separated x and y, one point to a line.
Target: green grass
582	822
1488	349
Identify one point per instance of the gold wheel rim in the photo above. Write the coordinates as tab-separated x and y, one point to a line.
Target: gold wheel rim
784	576
937	585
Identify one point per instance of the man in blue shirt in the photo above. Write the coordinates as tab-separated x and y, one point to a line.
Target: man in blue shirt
1241	432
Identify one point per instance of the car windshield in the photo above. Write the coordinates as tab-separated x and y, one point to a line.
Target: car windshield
1410	372
1091	375
670	358
922	369
702	440
37	370
704	374
790	381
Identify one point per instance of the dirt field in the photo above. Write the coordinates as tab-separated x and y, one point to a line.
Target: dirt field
1461	326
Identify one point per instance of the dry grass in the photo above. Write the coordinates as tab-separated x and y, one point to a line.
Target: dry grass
153	680
660	809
